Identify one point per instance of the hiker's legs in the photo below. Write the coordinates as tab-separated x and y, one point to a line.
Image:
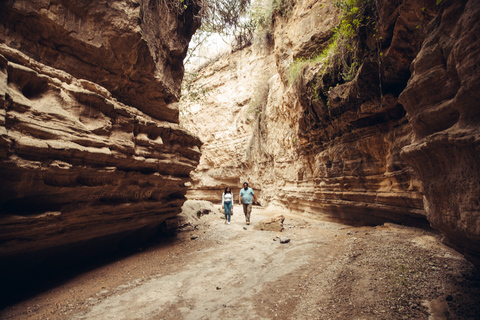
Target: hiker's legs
247	209
228	209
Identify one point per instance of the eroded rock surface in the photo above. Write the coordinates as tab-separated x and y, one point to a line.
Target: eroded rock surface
91	153
399	142
442	100
342	160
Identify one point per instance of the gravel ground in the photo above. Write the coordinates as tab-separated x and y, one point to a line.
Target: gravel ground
210	270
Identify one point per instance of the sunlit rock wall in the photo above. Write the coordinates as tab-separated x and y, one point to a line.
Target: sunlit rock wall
91	152
223	115
397	143
300	155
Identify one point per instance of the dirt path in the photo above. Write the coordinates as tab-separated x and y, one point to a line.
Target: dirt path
328	270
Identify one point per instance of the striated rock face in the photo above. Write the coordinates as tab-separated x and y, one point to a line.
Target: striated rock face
91	153
223	118
297	153
442	99
134	49
351	133
397	143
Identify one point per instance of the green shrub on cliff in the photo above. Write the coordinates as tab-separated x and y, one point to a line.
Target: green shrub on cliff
297	66
341	56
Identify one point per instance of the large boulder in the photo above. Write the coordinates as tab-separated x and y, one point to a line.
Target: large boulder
274	223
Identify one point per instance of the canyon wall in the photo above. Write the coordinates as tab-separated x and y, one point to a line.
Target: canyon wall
91	152
397	142
442	99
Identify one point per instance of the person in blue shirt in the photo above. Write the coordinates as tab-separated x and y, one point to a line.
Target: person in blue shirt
246	197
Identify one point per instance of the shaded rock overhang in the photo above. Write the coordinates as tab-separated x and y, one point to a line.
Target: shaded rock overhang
91	153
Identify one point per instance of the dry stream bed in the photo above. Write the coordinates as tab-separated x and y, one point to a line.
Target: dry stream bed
328	270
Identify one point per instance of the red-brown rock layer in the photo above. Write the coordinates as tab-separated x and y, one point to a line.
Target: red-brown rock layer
91	152
442	99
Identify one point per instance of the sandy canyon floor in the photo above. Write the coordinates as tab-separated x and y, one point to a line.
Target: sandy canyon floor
328	270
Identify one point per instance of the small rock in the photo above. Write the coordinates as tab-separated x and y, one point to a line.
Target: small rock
244	228
194	237
284	240
449	298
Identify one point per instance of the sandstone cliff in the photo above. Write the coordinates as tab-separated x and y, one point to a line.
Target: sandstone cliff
398	142
442	99
91	153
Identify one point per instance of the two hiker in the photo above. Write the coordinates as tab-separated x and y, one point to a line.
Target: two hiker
246	198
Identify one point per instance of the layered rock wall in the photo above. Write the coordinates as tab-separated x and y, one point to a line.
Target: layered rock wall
91	152
442	99
396	143
343	160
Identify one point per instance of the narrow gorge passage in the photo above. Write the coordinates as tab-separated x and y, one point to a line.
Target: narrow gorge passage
365	110
328	270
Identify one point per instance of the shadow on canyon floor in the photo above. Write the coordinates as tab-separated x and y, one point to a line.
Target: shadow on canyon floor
328	270
23	283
